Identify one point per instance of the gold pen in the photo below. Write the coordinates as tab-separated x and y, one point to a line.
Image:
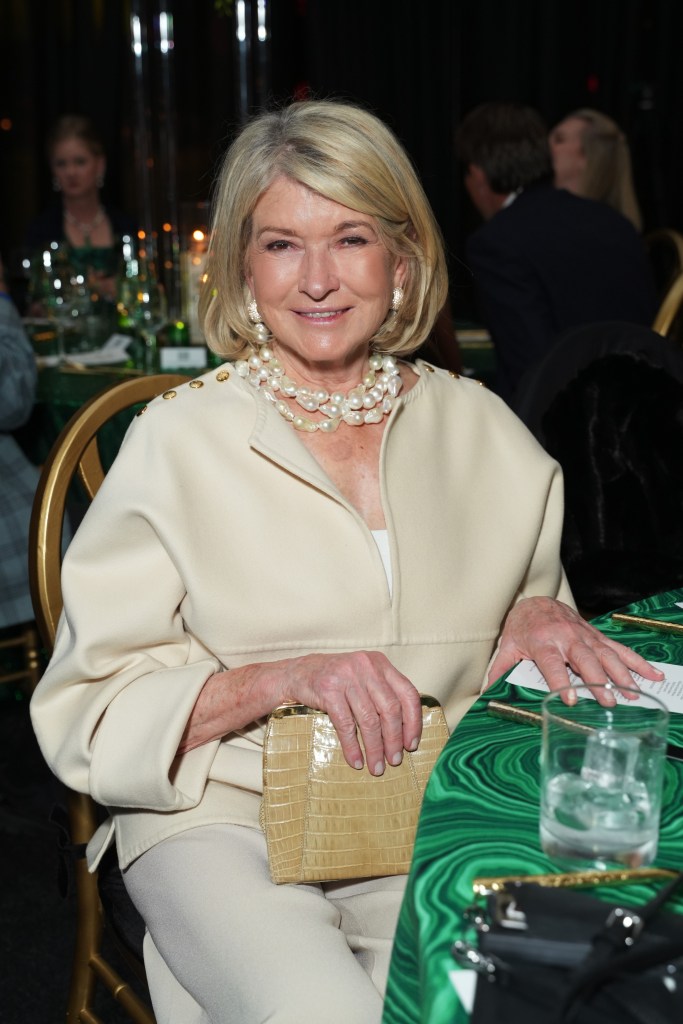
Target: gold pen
615	876
514	713
642	622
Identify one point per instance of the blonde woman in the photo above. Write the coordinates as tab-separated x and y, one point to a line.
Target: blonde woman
89	230
591	158
320	521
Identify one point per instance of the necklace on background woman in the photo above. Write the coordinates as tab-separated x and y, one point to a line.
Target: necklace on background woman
85	228
367	402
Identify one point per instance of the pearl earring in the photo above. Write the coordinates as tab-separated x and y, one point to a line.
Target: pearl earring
261	331
397	299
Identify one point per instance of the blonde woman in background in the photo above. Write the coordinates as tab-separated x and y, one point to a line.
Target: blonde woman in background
591	158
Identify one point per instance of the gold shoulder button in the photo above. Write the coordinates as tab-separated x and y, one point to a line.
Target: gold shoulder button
169	394
223	375
196	383
454	375
428	368
140	411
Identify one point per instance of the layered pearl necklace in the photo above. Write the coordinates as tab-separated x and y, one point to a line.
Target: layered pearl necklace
368	402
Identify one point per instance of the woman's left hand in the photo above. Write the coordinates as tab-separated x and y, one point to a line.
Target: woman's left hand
554	636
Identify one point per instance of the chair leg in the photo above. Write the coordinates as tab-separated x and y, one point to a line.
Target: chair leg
88	937
88	966
88	913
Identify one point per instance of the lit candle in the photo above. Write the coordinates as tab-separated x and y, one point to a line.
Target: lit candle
193	272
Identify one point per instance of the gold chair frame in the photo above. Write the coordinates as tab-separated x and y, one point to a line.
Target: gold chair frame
26	640
669	308
76	452
672	297
669	236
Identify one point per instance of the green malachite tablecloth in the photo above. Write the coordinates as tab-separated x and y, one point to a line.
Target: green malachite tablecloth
480	818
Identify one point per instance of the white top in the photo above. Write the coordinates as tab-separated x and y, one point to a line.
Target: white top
382	542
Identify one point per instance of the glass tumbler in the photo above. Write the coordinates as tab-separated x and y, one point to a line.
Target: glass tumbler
601	778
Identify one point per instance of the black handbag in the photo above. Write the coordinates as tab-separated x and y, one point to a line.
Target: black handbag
556	956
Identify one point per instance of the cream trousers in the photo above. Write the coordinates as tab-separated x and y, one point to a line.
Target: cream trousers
224	945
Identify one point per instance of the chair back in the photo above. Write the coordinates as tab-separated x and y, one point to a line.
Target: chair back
665	251
667	322
607	404
76	454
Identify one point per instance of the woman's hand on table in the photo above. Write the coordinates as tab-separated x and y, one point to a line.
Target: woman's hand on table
374	708
554	636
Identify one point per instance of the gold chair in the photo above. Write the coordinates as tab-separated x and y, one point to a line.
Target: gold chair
665	251
26	669
74	453
666	321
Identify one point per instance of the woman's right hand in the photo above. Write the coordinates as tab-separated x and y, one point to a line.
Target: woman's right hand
375	709
363	694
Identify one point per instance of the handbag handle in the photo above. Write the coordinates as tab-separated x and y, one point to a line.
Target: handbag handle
621	932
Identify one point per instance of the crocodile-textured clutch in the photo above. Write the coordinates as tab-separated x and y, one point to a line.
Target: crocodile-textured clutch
326	821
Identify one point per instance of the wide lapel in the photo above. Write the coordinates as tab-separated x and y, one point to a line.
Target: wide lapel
277	440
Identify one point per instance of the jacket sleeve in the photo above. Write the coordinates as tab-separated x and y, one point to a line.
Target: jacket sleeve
125	674
544	576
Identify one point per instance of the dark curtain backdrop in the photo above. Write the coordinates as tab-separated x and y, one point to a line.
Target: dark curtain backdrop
419	64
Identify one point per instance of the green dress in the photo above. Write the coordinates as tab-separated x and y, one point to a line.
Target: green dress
103	259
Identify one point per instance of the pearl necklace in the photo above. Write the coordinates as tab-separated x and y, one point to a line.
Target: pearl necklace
368	402
85	228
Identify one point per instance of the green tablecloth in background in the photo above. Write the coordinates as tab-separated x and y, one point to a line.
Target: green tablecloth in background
64	389
61	391
480	818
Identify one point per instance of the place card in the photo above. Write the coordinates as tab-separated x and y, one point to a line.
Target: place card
183	357
465	984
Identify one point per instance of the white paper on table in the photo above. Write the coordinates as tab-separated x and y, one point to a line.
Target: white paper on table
465	985
114	350
669	691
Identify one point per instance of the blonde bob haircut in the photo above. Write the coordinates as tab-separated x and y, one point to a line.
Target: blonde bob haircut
608	175
347	155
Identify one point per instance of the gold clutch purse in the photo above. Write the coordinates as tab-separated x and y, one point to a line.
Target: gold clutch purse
324	820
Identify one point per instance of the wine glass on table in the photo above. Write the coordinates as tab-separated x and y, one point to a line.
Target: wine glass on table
149	314
57	295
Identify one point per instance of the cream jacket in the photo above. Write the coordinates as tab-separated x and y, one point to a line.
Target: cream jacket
217	540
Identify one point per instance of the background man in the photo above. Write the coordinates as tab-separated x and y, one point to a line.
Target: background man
544	260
